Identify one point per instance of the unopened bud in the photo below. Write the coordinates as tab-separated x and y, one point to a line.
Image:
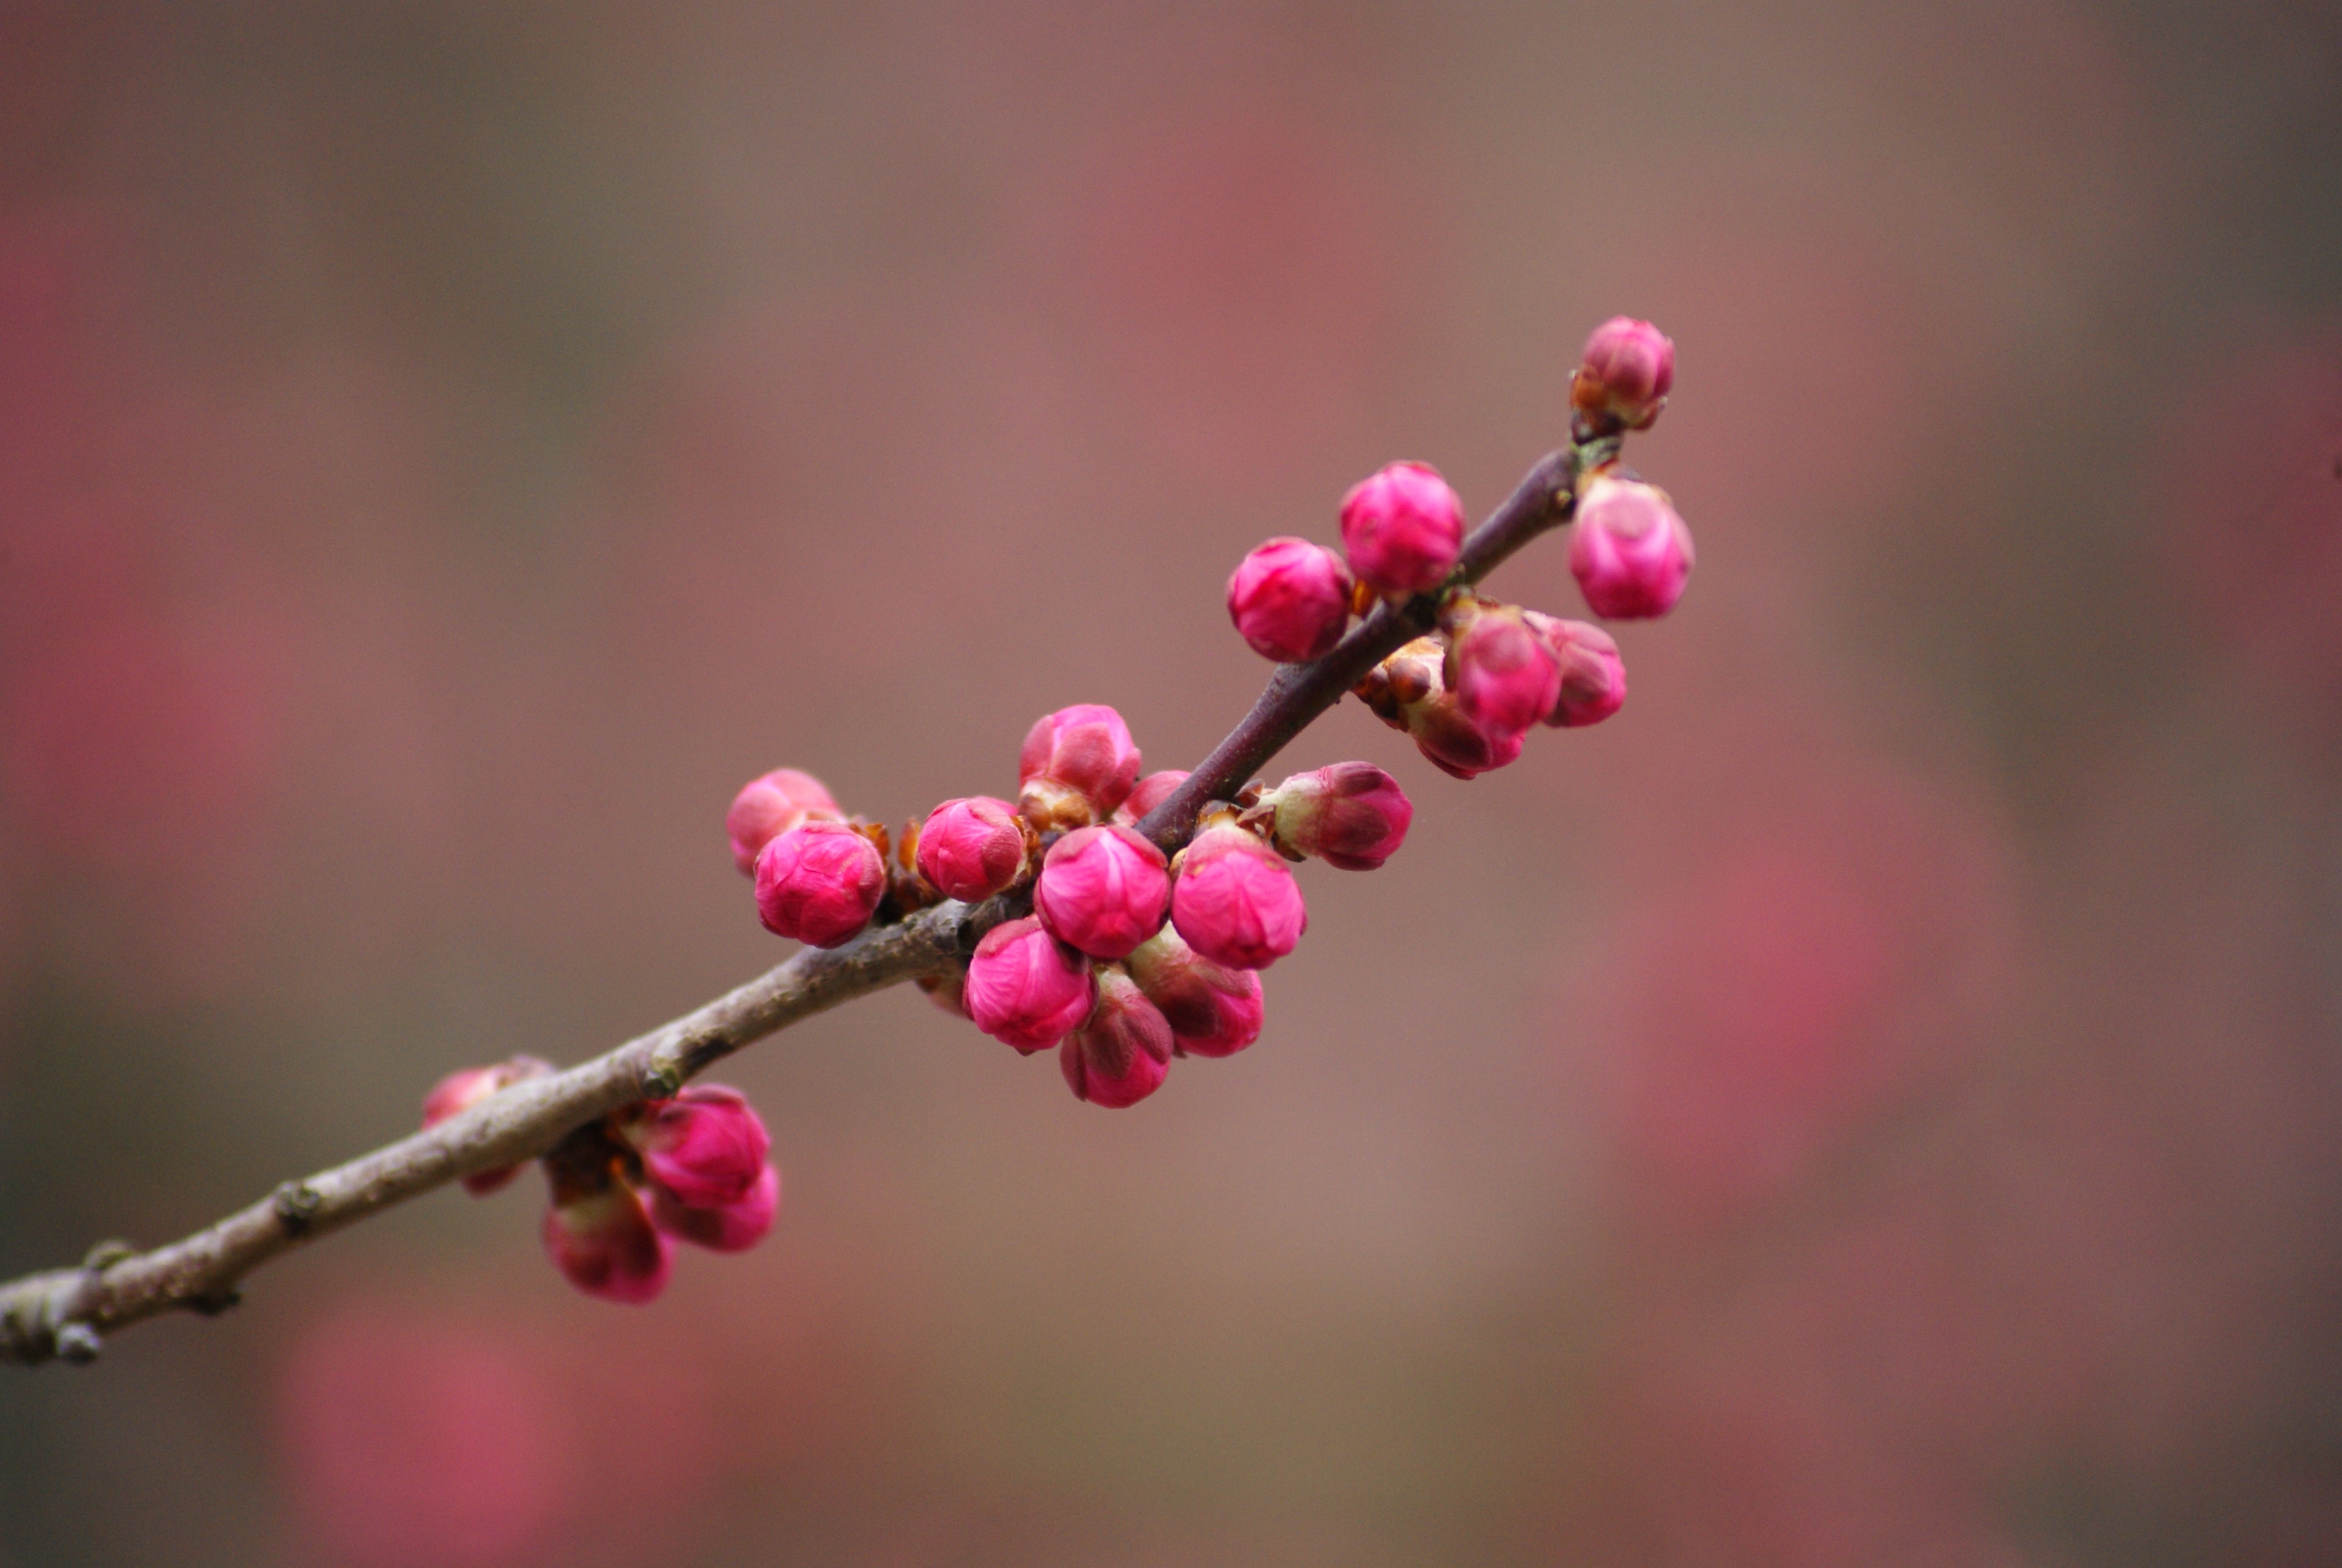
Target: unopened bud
819	883
1026	988
769	806
1403	528
462	1090
1120	1056
1149	793
1235	902
732	1227
1505	677
1290	600
973	848
1630	551
706	1146
1352	815
1408	692
1593	675
1213	1010
1103	890
604	1242
1629	368
1076	766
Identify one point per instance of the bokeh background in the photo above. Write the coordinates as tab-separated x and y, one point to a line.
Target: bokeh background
1874	1102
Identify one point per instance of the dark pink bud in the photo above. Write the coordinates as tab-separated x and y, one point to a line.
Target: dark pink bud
1506	677
1078	764
706	1146
1353	815
1120	1056
604	1244
1403	528
732	1227
1212	1011
818	883
1629	369
1630	553
1408	691
1026	987
973	848
1593	676
1103	890
462	1091
1150	791
768	807
1290	600
1235	902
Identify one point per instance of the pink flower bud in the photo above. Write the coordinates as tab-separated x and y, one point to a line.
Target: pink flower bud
1353	815
604	1244
1026	988
706	1146
1593	676
1151	791
1078	764
1290	600
818	883
732	1227
1505	677
768	807
972	848
1120	1056
1629	369
1235	902
1630	553
1212	1011
1403	528
1103	889
1408	692
463	1090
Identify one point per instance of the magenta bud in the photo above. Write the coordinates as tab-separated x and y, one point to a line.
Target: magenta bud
732	1227
1630	551
1235	902
706	1146
1628	371
1103	889
463	1090
1403	528
1290	600
1120	1056
1149	793
1076	766
1353	815
1213	1010
973	848
1507	677
818	883
604	1242
769	806
1026	988
1408	691
1593	675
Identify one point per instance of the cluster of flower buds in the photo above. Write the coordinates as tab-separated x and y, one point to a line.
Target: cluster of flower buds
696	1167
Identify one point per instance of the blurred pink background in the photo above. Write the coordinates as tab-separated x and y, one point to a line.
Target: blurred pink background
1874	1103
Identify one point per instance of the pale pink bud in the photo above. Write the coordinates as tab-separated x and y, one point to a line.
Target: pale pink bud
818	883
1026	988
1630	551
1076	766
1353	815
1505	677
1212	1011
1149	793
1235	902
1103	889
463	1090
1290	600
768	807
1120	1056
604	1242
972	848
732	1227
707	1145
1593	675
1403	528
1629	369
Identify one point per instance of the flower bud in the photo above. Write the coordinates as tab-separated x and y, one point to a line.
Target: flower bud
1212	1011
1026	988
462	1090
973	848
604	1242
1408	692
1150	791
818	883
706	1146
1290	600
1628	371
1630	551
768	807
1120	1056
1235	902
732	1227
1078	764
1593	676
1403	528
1505	677
1103	890
1353	815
